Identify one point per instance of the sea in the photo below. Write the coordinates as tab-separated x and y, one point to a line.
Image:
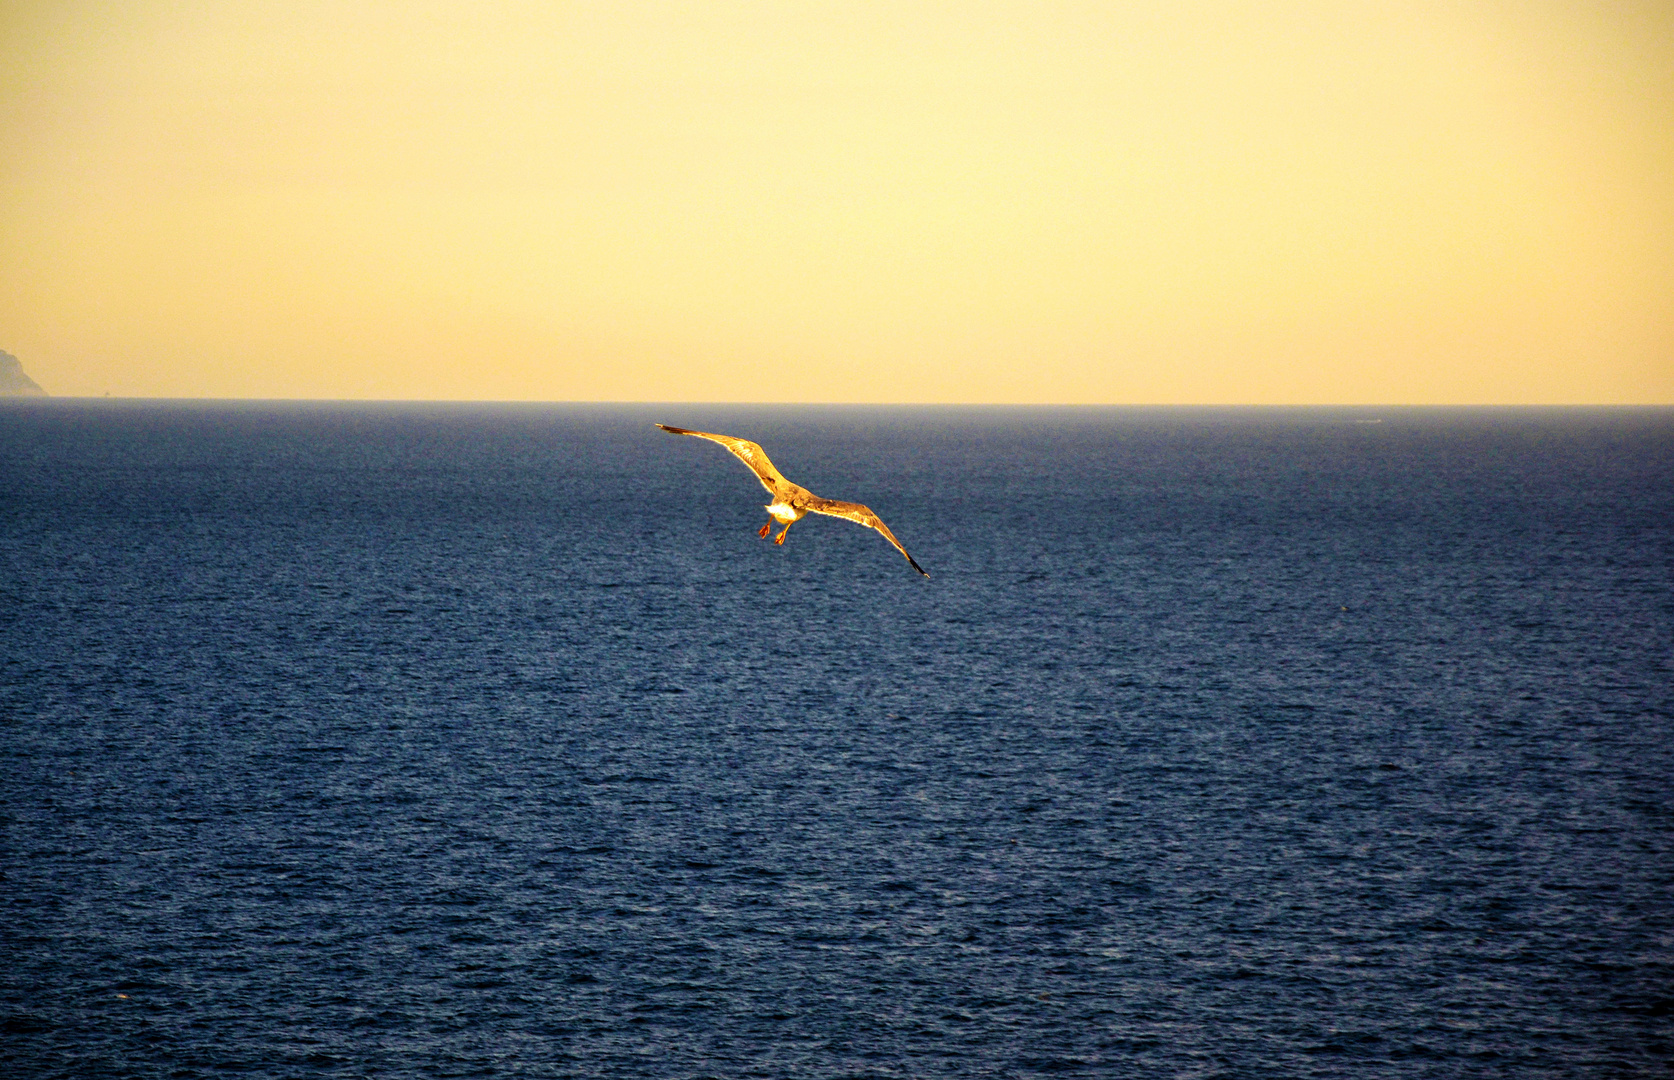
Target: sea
480	740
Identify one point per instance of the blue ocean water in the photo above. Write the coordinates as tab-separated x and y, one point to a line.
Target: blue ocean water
429	741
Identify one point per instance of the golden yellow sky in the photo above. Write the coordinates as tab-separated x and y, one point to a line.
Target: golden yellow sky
1169	202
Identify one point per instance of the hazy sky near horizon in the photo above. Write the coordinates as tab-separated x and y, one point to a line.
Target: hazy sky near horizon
1147	202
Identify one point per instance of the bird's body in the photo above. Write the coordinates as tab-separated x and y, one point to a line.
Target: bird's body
792	502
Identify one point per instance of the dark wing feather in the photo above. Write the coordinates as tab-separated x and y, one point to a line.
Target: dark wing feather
747	452
863	515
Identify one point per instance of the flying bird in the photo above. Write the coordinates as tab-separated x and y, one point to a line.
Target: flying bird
791	502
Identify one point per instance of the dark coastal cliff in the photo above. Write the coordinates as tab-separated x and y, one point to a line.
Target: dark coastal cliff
13	382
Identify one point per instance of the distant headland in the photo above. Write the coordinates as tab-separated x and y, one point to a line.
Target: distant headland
13	382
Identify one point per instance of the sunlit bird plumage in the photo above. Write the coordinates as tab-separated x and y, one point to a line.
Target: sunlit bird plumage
791	502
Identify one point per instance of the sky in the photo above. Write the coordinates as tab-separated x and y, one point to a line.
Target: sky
1181	202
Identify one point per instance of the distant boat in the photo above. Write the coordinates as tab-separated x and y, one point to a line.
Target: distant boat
791	502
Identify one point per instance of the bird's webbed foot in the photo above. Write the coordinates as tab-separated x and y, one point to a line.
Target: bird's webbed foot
765	529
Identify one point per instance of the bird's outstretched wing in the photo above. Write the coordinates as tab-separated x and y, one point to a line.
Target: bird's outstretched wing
863	515
747	451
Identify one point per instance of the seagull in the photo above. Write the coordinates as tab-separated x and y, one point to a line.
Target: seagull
791	502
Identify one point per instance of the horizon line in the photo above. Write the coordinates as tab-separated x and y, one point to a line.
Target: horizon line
855	404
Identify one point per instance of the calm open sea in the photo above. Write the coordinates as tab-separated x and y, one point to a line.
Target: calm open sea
470	740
